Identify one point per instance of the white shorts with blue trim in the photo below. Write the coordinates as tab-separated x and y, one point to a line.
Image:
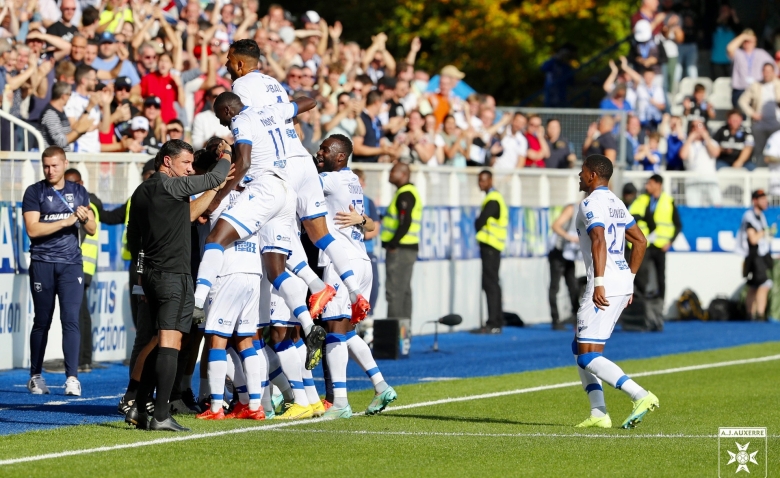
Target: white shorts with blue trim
341	307
266	205
234	305
306	182
594	326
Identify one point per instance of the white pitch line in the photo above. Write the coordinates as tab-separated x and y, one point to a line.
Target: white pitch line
499	435
161	441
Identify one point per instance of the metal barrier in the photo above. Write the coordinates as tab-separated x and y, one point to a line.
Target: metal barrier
19	130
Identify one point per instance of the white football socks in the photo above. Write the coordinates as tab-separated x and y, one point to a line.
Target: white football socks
609	372
338	255
291	365
308	378
592	386
361	353
217	371
255	367
337	355
235	371
293	291
209	268
275	375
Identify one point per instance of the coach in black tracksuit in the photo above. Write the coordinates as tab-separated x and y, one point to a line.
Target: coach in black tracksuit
160	227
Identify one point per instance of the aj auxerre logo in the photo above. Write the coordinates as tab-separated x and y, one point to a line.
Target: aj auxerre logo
742	449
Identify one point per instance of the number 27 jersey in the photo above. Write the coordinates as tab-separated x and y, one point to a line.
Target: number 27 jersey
271	137
603	209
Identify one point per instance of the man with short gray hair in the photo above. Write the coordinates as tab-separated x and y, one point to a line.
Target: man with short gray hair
55	126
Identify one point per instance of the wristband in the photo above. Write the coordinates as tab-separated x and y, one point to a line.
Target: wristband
598	281
364	221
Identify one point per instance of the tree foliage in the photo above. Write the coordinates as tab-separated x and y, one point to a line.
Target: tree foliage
499	44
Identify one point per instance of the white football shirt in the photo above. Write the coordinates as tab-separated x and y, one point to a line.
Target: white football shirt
240	256
271	137
342	189
603	209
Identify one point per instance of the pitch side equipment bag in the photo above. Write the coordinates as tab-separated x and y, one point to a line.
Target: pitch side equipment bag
643	314
689	307
722	309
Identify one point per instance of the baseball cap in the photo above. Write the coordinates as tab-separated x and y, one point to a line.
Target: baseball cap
643	31
758	193
311	17
122	82
453	72
152	101
106	37
139	122
287	34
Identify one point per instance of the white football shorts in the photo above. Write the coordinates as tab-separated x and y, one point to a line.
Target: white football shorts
234	305
594	326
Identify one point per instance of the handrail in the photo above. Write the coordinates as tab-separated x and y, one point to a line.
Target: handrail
25	126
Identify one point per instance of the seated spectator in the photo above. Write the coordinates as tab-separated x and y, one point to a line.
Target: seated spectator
759	102
647	155
600	140
736	143
55	126
561	149
647	53
696	106
415	144
206	125
726	30
514	144
538	149
634	138
675	138
165	86
457	143
700	153
748	63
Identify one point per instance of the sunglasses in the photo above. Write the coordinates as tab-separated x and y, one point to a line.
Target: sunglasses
68	9
150	57
274	40
295	76
122	88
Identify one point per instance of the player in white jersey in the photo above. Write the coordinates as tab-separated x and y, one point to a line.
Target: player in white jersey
603	226
234	310
267	204
344	194
256	89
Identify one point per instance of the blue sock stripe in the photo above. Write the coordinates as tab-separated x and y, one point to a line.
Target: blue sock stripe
308	382
621	381
333	338
283	345
248	352
255	396
216	355
258	344
339	384
213	245
574	348
282	277
216	396
585	359
592	387
241	389
347	274
274	374
296	384
299	310
324	242
265	383
372	371
351	334
299	343
203	281
300	266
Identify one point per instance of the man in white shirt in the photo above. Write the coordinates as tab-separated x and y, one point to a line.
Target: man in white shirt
84	101
206	125
515	145
603	225
700	153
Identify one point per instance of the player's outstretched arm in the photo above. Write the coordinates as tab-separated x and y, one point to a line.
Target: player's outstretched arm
305	104
638	247
598	249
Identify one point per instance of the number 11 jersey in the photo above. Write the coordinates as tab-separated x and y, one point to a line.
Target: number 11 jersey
267	131
603	209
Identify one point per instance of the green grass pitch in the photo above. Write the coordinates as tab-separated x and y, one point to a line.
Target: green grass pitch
515	434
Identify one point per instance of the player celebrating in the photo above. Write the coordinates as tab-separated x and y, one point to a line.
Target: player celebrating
258	90
603	225
344	195
234	306
267	204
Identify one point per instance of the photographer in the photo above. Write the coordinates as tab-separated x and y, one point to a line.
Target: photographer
159	230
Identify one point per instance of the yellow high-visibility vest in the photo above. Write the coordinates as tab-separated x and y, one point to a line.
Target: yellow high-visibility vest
125	251
390	221
91	245
493	233
664	226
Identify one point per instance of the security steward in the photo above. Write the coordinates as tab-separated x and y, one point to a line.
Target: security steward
491	226
159	230
90	245
401	238
658	219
